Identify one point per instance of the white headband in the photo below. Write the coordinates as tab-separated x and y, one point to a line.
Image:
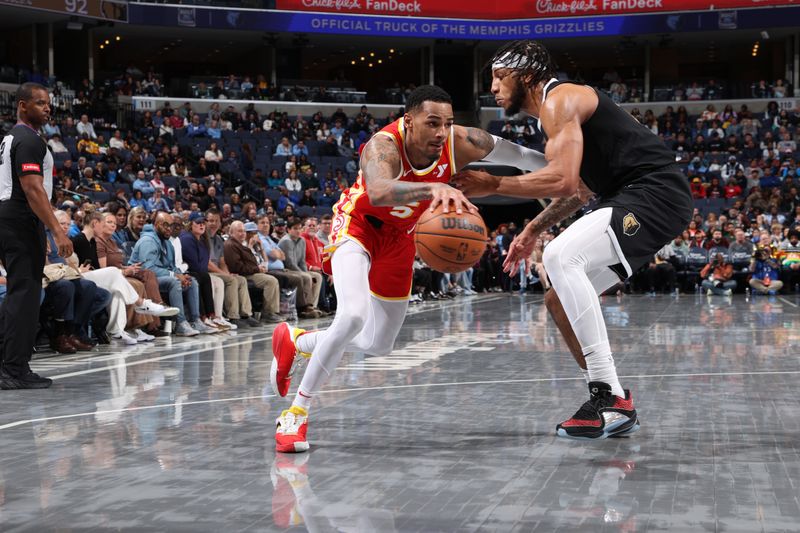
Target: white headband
511	60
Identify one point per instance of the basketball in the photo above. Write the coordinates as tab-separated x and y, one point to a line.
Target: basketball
449	242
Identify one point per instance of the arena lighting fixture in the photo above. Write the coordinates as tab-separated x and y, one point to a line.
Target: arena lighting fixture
370	65
380	61
363	58
118	38
391	50
372	54
353	62
102	46
107	42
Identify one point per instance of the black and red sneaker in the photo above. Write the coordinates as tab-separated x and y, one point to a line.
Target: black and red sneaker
604	415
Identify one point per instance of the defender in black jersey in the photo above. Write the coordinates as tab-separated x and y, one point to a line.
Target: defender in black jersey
26	185
594	149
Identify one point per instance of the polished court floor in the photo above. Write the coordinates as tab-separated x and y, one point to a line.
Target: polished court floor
452	432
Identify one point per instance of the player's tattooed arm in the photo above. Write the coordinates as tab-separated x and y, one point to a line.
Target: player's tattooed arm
380	167
472	144
558	210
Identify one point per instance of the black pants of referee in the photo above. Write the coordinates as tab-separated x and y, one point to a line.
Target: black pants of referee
22	251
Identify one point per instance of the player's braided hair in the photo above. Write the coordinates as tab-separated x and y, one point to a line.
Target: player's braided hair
426	93
530	59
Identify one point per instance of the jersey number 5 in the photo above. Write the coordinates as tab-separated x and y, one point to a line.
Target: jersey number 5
404	211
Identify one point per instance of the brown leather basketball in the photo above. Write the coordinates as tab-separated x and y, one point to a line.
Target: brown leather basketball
450	242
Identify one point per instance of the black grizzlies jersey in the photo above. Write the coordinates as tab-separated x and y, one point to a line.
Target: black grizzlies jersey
617	149
22	152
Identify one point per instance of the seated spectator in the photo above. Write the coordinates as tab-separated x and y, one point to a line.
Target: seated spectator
790	258
214	129
196	128
156	202
72	304
308	181
330	148
195	251
213	155
274	256
138	200
56	145
769	180
293	185
712	91
155	252
694	92
732	188
709	113
51	128
661	272
764	267
714	189
717	276
87	147
237	305
240	260
294	249
84	127
117	141
308	199
300	149
143	184
314	248
284	148
156	182
779	90
144	282
697	188
716	240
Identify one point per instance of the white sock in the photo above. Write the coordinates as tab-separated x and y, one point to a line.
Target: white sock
585	374
302	400
308	341
600	367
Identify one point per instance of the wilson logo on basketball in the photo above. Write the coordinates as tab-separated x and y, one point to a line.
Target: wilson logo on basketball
461	223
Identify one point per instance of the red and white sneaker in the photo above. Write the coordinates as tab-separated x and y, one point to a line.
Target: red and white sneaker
284	357
290	432
603	415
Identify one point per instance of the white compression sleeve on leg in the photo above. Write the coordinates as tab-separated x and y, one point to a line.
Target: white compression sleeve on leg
508	153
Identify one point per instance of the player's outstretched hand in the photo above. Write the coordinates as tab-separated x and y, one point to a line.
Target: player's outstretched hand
475	183
521	248
444	195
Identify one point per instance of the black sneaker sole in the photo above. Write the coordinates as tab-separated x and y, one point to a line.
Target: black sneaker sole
7	383
624	430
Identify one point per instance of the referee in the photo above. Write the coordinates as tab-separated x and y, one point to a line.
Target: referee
26	185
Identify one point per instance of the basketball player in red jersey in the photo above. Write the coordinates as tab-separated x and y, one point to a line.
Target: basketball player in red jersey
405	169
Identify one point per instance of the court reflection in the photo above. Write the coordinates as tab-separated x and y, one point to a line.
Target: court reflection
294	502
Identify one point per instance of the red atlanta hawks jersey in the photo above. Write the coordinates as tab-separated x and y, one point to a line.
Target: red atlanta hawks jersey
355	200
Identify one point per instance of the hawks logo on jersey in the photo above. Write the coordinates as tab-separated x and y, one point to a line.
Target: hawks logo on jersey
355	202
